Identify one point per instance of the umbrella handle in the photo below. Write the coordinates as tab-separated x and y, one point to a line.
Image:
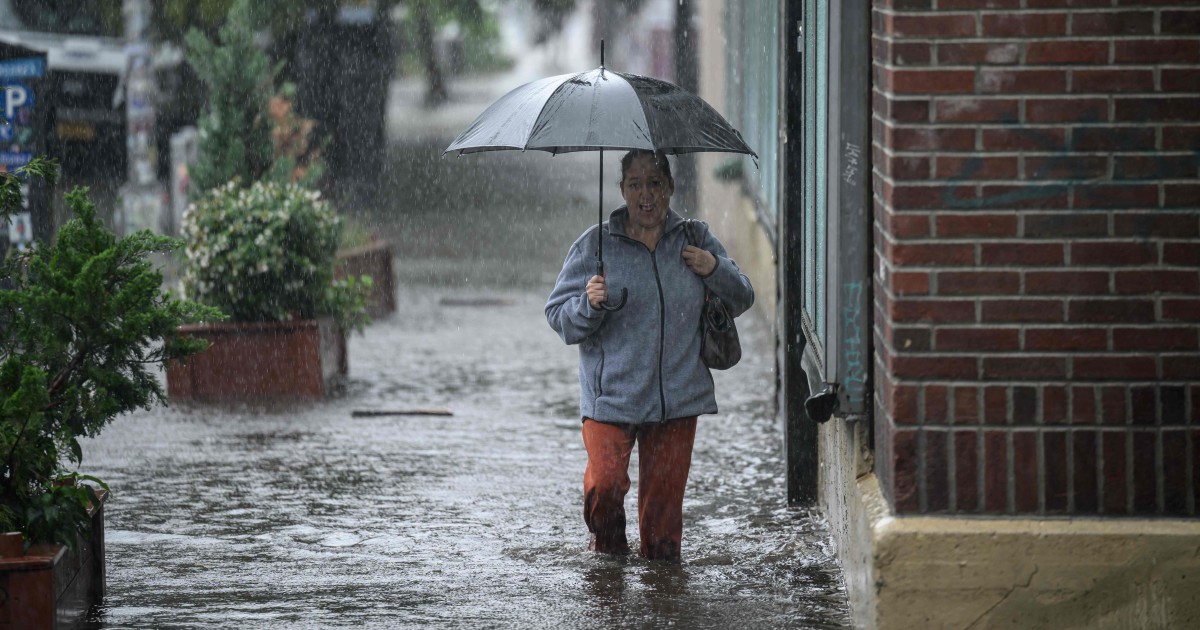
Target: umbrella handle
620	303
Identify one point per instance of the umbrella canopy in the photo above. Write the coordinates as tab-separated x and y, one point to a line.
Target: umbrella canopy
600	110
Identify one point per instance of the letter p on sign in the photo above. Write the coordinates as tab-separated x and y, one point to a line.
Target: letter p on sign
15	97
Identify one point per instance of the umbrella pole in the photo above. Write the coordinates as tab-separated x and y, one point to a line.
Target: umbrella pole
600	218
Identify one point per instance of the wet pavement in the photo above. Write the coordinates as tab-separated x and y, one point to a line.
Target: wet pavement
307	516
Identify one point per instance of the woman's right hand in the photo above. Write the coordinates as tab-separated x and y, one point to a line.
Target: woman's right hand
597	291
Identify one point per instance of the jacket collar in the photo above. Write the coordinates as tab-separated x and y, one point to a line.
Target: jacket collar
619	217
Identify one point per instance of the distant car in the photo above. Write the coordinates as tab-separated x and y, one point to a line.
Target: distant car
87	62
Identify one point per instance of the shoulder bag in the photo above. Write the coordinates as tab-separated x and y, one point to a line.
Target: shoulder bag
720	348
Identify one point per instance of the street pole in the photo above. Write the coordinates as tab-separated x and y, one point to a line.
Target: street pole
143	197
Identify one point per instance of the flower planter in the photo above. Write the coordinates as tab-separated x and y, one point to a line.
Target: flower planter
52	586
373	260
261	360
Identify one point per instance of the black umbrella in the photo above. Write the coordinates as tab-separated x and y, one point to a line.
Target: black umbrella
600	110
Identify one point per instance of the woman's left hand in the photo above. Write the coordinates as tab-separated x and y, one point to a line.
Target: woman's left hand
700	261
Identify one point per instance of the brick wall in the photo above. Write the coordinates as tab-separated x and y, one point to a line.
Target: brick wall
1036	189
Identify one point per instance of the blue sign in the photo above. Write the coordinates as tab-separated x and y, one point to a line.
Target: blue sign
16	130
30	68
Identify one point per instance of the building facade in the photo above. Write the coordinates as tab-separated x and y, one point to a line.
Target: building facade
984	223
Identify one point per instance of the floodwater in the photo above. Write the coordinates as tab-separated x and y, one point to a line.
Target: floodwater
309	517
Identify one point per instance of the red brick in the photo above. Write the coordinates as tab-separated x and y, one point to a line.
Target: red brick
978	53
979	283
1181	196
913	197
1083	405
1054	405
1084	466
1180	80
995	471
1025	139
937	476
1059	225
1023	254
1157	281
1157	339
1116	196
1068	166
904	468
1145	479
1174	465
1024	405
1066	282
1072	110
1024	196
1114	478
934	367
1111	311
1142	405
976	167
1054	453
1022	81
910	111
1115	368
966	405
1113	253
977	110
975	225
1112	139
978	339
1025	368
1181	367
1181	310
932	26
911	339
1157	109
1110	81
1173	403
907	167
1066	339
975	5
995	405
1113	23
1027	310
932	311
1147	51
1184	254
1164	224
936	409
904	404
1066	52
931	139
911	53
1180	22
1018	24
1155	166
933	254
1025	472
930	81
910	283
966	471
1112	406
904	226
1054	4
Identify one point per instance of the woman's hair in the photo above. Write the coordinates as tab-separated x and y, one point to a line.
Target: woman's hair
660	158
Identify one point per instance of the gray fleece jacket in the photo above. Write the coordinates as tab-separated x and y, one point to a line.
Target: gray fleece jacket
642	364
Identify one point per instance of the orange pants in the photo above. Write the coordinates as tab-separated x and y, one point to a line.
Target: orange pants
664	455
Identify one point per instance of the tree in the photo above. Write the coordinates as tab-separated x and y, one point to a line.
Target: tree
235	132
85	321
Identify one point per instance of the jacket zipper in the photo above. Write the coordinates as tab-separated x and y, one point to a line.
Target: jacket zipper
662	325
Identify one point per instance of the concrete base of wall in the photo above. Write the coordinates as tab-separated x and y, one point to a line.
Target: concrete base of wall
943	572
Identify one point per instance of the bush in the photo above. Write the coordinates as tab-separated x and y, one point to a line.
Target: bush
266	253
80	329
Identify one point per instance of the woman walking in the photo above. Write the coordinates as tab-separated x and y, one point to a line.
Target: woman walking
640	374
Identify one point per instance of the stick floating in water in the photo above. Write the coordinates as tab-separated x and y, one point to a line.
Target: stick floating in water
368	413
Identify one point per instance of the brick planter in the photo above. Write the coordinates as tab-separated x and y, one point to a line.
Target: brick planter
261	360
373	260
52	586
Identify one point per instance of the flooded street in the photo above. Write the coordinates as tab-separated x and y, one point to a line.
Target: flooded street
311	517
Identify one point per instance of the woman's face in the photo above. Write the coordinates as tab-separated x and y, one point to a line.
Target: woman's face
647	192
